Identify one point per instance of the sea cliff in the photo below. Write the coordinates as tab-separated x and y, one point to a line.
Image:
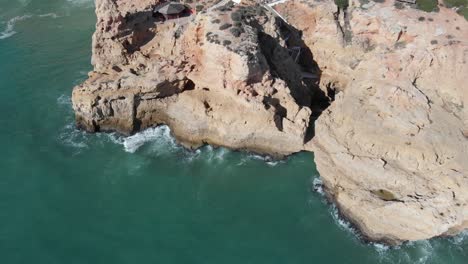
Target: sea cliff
376	91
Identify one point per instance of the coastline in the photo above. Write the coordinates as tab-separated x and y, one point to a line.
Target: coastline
249	91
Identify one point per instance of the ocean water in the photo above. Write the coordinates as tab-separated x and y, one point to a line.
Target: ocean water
71	197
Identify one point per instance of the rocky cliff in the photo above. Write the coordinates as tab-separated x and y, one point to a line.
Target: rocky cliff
223	77
392	147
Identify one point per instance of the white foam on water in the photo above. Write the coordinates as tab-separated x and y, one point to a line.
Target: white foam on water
10	27
160	134
460	238
343	223
162	142
380	248
423	251
51	15
318	185
267	159
81	3
72	137
64	100
24	2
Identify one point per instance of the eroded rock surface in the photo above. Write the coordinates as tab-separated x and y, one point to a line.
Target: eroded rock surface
391	148
212	77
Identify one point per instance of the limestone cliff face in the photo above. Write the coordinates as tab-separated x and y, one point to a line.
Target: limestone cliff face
392	148
208	83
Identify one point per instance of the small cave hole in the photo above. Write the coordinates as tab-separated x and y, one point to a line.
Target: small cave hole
189	85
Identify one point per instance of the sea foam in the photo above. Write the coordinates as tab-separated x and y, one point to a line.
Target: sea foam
10	27
82	3
161	135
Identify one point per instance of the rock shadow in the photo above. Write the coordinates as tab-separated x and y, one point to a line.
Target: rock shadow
295	65
136	29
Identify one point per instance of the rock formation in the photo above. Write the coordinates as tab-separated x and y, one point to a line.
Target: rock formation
223	77
392	149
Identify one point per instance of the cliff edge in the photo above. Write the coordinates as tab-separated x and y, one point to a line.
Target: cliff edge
223	76
392	148
376	90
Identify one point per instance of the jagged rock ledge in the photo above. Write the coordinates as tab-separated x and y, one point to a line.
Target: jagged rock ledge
223	77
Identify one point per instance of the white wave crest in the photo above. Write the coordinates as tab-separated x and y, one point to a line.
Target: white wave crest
267	159
343	223
318	185
64	100
460	238
81	3
51	15
72	137
10	27
160	134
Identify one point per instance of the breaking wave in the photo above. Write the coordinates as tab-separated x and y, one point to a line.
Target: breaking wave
159	141
10	27
155	141
267	159
421	252
82	3
160	135
10	24
51	15
317	185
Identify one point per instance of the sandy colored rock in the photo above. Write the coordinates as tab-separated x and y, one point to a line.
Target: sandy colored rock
391	148
209	85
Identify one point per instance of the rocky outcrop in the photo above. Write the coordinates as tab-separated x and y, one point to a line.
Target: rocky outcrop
392	148
223	77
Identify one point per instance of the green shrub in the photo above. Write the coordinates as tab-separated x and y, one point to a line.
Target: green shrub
399	5
462	6
427	5
199	8
384	195
235	31
400	45
225	26
342	4
226	42
236	16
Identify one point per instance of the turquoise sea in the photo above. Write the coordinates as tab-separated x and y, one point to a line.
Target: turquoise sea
69	197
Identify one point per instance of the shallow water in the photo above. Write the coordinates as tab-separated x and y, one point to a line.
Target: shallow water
71	197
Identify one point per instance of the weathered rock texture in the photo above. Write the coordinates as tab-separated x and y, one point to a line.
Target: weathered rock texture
208	84
392	148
